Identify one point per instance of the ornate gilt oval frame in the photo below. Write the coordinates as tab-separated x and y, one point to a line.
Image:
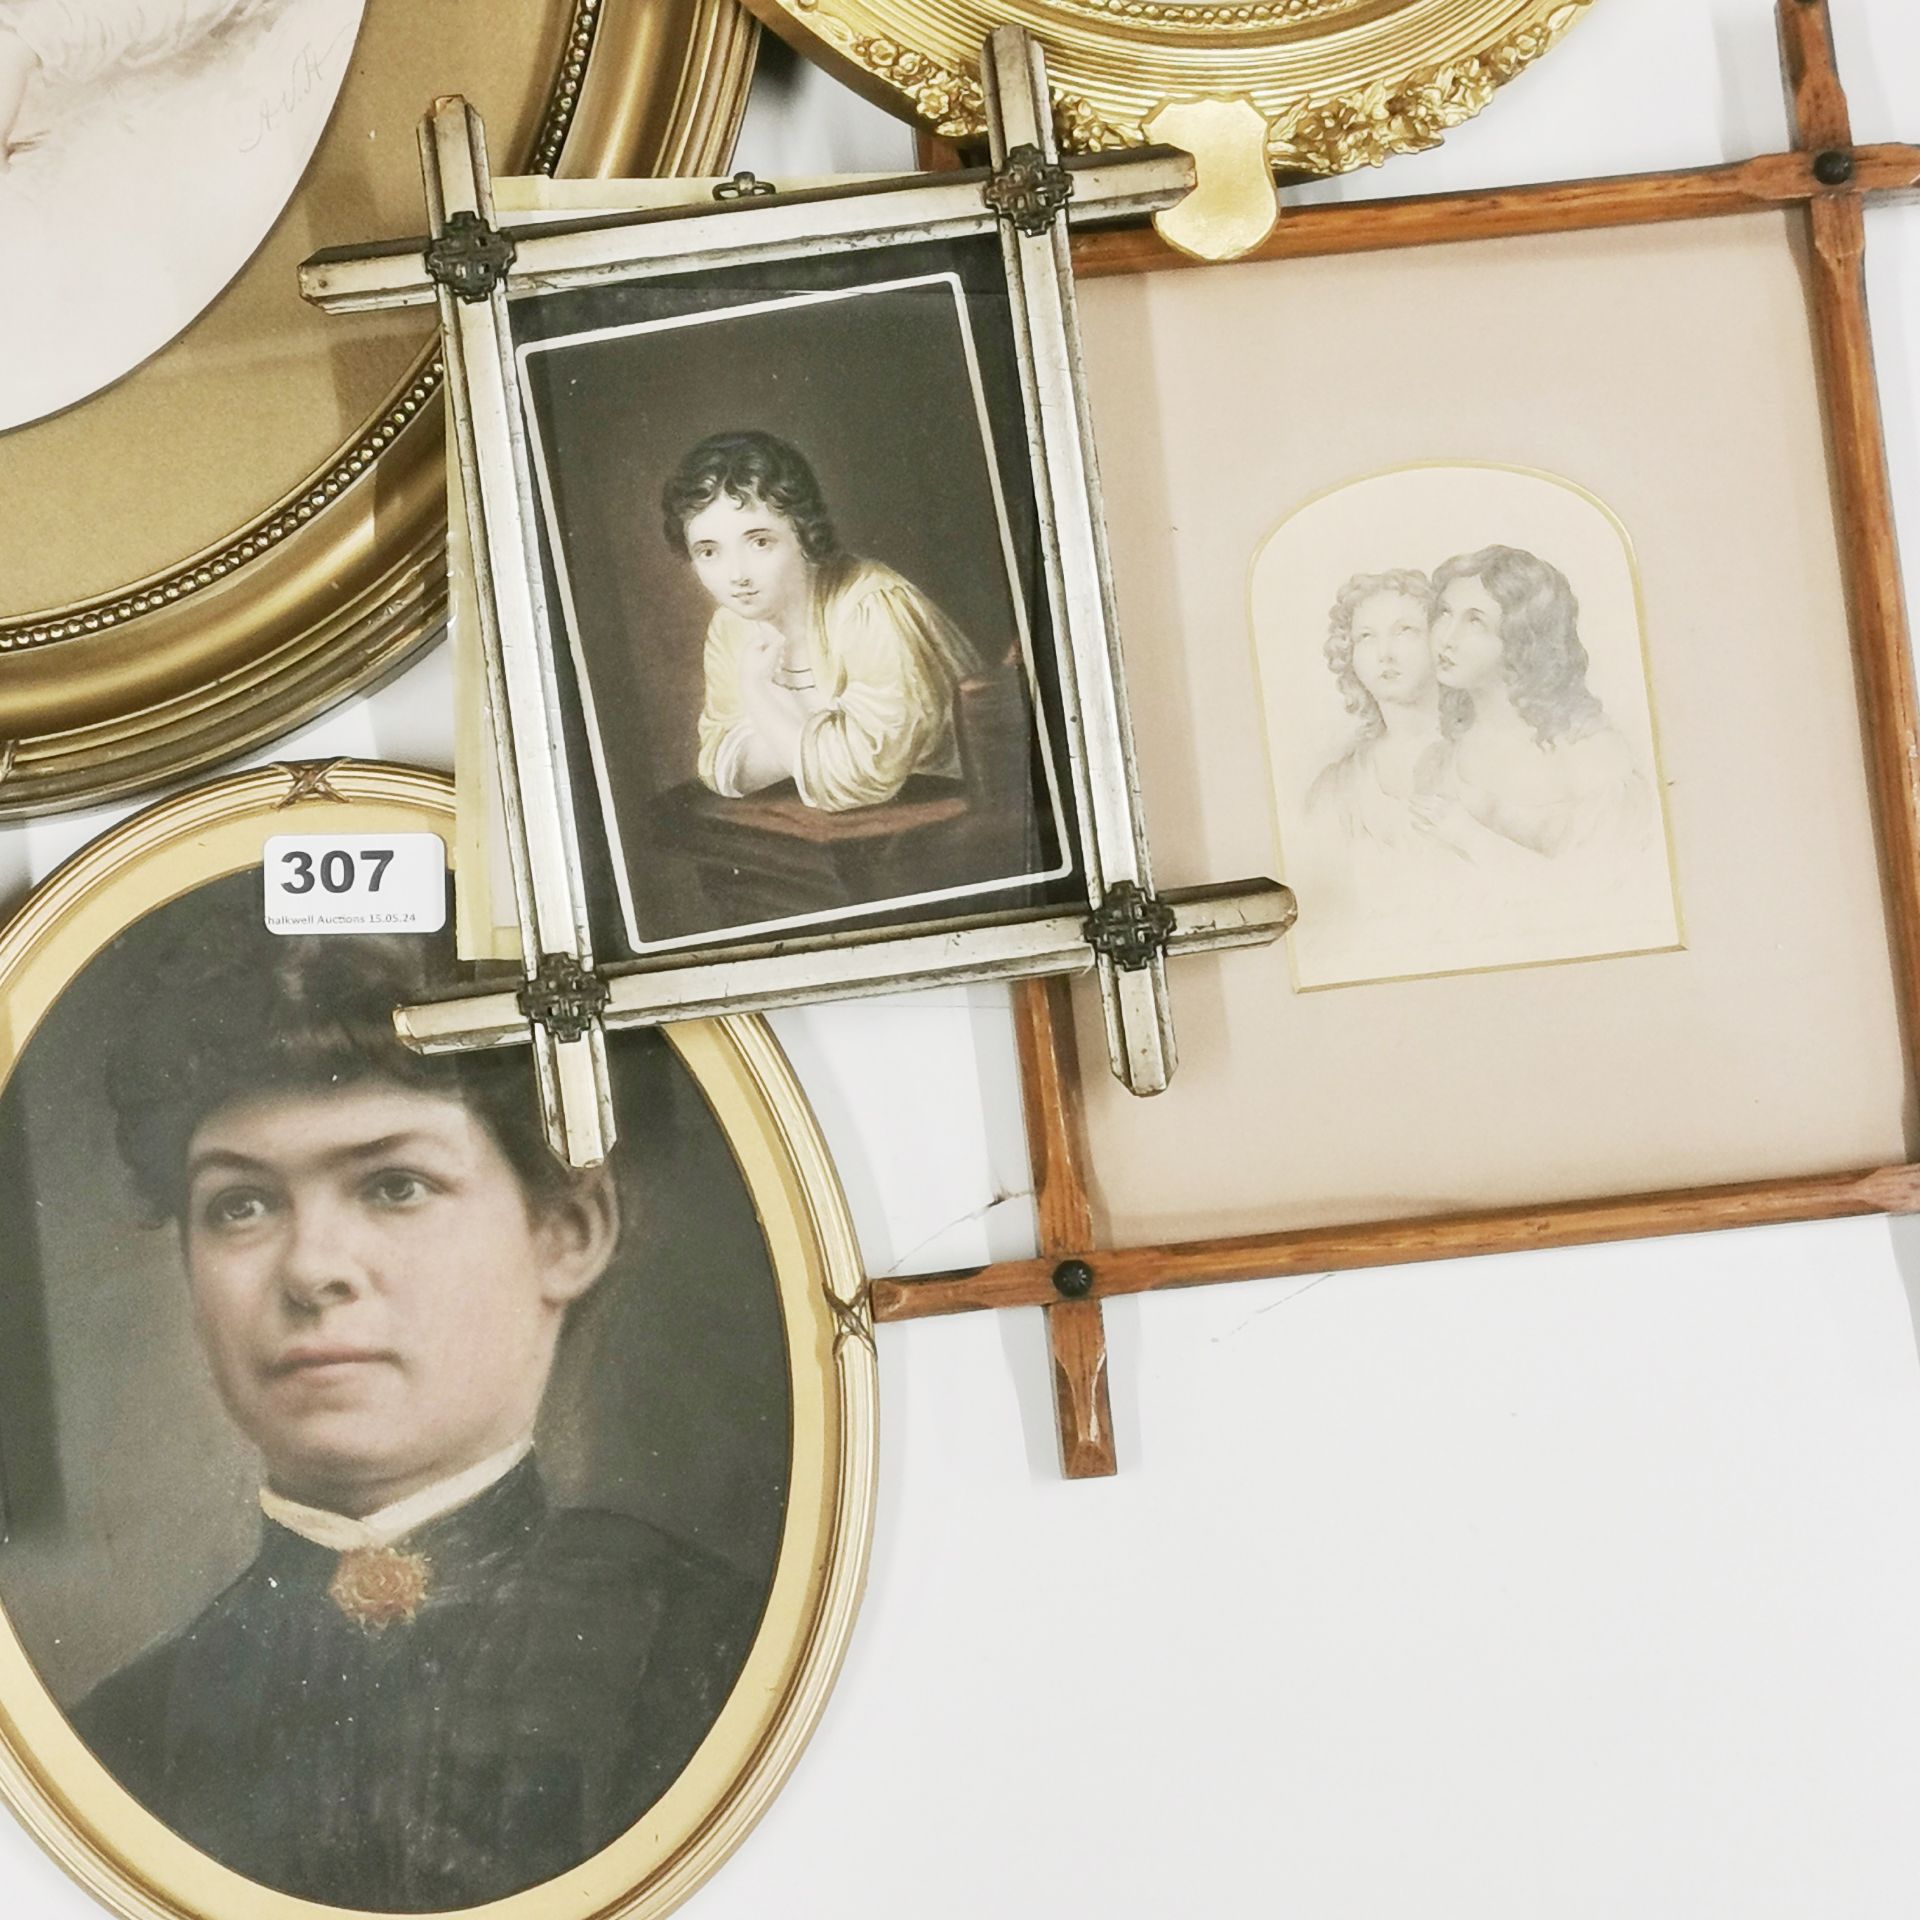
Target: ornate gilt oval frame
1339	83
127	1858
110	689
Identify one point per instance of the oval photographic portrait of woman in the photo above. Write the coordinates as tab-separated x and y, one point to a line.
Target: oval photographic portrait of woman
396	1520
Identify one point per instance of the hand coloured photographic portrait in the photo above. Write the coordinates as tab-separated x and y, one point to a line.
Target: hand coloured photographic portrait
796	574
1464	765
146	143
394	1514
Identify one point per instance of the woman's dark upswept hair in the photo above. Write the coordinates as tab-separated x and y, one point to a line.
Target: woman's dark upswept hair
747	466
231	1012
1542	659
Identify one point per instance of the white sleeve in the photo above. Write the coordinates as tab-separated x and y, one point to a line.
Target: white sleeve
727	759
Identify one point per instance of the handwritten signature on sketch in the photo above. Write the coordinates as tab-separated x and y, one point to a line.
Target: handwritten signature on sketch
306	74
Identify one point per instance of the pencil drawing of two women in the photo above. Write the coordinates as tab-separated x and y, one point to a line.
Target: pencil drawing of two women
1479	740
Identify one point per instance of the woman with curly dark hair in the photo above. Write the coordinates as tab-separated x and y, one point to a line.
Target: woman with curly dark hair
821	668
1535	764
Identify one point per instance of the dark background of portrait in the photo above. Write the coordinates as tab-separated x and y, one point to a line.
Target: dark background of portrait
873	390
131	1498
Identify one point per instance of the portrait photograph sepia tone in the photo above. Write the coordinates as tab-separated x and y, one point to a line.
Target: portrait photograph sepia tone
1464	767
798	585
397	1516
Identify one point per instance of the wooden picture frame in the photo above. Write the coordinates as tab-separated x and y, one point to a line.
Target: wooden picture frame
249	526
793	1515
1820	190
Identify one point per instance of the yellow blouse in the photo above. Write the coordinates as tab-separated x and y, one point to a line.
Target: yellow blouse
885	662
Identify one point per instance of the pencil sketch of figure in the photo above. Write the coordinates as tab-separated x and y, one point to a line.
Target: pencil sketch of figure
1534	763
1479	787
1379	650
74	41
144	144
827	670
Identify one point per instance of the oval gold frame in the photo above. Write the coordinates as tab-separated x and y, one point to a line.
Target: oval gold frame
1339	83
330	587
126	1857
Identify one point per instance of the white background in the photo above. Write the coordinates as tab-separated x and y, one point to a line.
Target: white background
1569	1584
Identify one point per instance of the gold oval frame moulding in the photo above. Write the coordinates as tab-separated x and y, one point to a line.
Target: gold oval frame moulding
127	1857
1337	83
219	580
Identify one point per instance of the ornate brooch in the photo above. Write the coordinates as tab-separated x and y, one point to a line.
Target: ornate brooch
375	1586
